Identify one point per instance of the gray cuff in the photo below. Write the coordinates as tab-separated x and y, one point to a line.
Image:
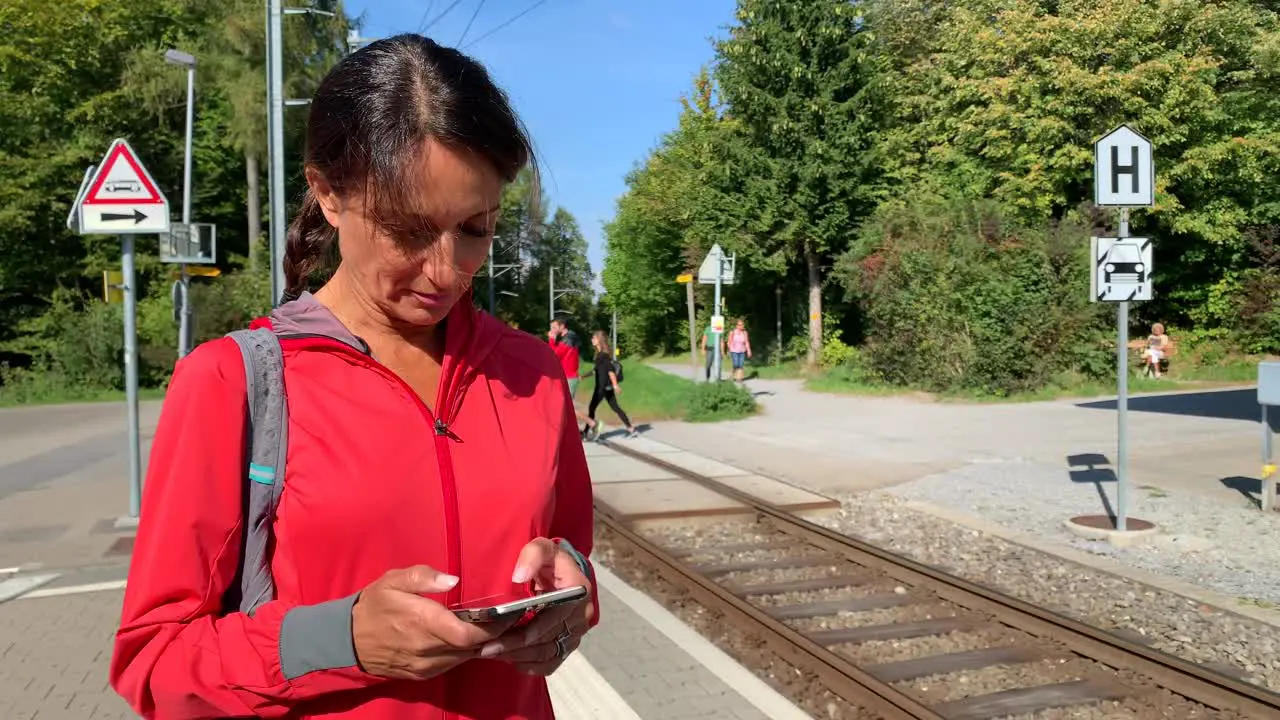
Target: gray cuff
317	637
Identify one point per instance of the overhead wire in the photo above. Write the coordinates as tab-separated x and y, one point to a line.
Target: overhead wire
516	17
467	29
423	30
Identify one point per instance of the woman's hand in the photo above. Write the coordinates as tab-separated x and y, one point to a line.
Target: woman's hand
534	648
400	634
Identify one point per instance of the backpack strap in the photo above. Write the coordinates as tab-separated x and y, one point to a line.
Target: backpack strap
268	441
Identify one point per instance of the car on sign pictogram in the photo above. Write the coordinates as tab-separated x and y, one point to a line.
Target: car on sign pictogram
123	186
1123	264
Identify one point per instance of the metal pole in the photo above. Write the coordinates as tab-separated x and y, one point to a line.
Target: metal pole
1122	400
184	311
275	125
492	279
693	331
1267	501
131	373
719	274
778	359
613	335
551	296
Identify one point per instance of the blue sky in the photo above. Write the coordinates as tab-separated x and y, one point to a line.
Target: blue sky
596	81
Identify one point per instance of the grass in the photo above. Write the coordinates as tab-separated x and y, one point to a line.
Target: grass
650	395
1190	371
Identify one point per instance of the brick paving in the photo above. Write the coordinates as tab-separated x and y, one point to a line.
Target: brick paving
658	679
54	654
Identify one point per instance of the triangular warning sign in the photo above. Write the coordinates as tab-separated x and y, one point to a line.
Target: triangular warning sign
122	180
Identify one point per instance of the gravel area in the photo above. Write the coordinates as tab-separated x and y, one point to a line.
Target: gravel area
997	678
868	618
1230	548
1168	621
879	652
847	593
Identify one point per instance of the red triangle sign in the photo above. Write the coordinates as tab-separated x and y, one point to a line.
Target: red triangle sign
122	180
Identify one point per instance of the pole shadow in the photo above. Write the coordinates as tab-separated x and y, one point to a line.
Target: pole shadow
1085	468
1248	487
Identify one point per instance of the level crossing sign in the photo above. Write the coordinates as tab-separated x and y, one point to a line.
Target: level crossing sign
121	197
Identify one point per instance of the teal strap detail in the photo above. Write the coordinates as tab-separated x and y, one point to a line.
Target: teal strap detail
262	474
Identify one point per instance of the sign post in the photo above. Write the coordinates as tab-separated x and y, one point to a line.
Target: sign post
686	279
718	270
1123	177
121	198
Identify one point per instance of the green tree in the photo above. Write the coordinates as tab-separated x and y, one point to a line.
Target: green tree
800	79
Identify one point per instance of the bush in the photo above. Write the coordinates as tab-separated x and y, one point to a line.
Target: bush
959	297
720	401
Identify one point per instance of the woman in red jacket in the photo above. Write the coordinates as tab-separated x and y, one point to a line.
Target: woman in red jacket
433	457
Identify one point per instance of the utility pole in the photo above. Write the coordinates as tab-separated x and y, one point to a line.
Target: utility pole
553	295
182	289
275	135
275	143
496	271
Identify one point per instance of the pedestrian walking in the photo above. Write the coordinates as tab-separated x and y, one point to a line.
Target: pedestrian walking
607	389
417	431
565	344
709	341
739	345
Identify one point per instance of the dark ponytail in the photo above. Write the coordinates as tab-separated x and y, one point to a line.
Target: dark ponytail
367	123
309	241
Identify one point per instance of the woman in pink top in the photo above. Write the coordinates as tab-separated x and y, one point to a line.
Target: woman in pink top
739	348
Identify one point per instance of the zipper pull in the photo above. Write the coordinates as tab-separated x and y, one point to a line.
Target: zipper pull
441	427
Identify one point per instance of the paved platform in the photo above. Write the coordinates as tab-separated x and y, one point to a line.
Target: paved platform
641	493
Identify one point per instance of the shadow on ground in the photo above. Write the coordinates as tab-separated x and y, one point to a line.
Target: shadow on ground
1222	404
1088	468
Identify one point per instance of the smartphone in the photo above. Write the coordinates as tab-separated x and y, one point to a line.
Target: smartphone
484	612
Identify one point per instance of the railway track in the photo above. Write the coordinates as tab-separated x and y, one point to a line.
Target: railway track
815	597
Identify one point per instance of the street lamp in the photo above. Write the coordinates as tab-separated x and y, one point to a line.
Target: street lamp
182	289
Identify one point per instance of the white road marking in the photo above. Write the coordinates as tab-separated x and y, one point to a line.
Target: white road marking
75	590
21	585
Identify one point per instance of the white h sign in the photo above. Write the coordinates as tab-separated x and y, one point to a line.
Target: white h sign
1124	172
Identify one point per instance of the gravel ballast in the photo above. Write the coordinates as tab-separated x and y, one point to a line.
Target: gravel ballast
1169	622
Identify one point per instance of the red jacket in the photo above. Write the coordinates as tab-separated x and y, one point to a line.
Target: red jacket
369	487
567	353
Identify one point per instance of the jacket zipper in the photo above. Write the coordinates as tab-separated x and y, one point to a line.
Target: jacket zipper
444	459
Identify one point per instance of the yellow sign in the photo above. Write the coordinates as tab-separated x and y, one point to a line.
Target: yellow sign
1268	471
717	324
203	271
685	278
112	290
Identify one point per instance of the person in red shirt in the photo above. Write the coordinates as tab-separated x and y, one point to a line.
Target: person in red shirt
433	457
565	344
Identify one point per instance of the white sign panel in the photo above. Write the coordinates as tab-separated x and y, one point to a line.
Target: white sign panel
712	263
1124	171
194	244
1121	269
122	197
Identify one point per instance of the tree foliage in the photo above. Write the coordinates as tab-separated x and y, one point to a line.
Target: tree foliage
842	125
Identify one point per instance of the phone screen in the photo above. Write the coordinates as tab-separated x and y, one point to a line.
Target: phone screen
500	607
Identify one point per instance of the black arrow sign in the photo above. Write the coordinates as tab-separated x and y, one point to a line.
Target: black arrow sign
136	216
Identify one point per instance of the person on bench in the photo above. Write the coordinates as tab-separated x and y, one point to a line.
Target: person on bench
1156	350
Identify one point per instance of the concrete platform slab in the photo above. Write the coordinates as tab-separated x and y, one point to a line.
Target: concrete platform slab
613	468
648	445
780	493
596	450
701	465
664	499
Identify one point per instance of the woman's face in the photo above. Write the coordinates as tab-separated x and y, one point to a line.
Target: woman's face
741	325
417	280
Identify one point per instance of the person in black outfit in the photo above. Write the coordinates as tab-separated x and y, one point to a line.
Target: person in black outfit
606	389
